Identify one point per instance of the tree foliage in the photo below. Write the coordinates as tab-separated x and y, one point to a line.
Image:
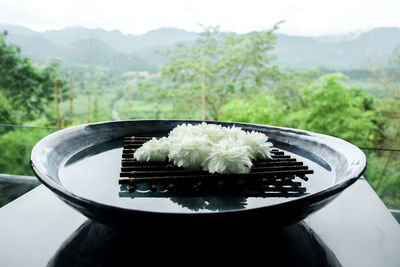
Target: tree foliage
262	109
384	176
324	106
25	90
15	148
203	77
327	106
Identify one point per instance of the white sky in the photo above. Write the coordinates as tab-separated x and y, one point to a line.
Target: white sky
302	17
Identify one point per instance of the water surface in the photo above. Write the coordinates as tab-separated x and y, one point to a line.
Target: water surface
93	173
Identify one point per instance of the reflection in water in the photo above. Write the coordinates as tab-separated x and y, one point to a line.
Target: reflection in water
94	244
211	203
195	202
215	200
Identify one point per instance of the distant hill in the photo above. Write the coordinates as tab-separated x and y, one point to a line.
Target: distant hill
97	53
305	52
35	46
114	49
117	40
78	48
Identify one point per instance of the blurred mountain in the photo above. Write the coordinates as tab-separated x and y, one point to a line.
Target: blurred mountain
349	53
94	52
16	29
113	49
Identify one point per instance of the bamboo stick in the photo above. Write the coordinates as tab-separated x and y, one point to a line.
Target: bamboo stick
56	97
145	171
174	175
61	107
164	165
203	95
128	102
70	99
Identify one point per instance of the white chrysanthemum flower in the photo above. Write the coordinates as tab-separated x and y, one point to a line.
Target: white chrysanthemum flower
233	132
181	130
211	147
190	152
226	157
153	150
257	142
214	132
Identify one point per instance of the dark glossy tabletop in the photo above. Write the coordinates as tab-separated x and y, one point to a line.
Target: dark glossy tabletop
356	229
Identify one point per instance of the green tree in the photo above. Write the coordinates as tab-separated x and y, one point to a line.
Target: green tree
327	106
15	148
262	109
200	79
384	176
25	90
324	106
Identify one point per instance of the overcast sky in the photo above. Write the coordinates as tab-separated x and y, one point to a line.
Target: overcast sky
302	17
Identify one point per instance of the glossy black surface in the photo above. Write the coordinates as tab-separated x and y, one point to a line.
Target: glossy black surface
81	164
94	244
355	229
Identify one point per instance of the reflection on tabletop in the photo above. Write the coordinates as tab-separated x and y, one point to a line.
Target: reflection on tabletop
94	244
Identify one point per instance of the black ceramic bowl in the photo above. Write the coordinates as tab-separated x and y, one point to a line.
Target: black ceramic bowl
81	165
